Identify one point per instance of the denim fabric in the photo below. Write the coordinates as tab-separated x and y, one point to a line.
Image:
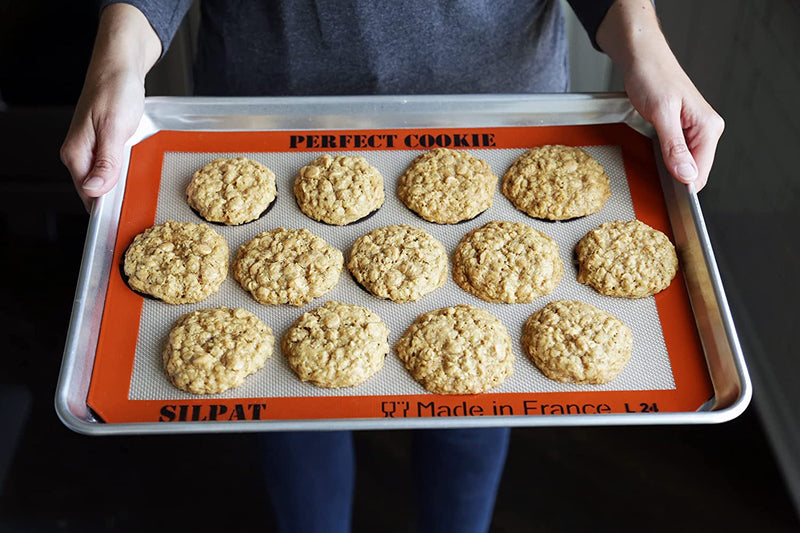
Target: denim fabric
310	478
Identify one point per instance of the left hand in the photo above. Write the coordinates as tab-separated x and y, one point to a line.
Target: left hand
688	128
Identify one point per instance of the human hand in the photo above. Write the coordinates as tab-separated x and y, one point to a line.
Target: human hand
111	102
688	128
107	114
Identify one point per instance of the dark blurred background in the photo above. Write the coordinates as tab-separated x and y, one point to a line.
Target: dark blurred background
736	476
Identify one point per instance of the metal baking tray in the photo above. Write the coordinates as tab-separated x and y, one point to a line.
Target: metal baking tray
726	395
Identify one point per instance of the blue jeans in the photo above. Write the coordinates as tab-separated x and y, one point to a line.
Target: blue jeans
311	477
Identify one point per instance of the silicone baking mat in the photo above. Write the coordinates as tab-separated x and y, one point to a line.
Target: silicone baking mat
666	371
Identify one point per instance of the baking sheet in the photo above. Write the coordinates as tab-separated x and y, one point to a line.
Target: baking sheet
650	368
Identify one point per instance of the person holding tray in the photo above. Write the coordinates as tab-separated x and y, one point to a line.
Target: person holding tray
270	48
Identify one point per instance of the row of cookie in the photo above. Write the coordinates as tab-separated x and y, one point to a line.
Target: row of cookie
184	262
453	350
503	262
510	262
444	186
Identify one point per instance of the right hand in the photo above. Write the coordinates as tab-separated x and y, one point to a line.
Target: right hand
106	116
111	102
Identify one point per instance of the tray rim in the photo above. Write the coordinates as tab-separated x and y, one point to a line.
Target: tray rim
408	111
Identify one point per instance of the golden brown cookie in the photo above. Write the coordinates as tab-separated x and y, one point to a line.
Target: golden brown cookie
231	191
338	190
457	350
556	182
336	345
212	350
400	262
507	262
575	342
287	266
447	186
627	259
177	262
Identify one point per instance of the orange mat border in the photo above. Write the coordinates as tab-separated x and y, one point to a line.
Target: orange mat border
111	376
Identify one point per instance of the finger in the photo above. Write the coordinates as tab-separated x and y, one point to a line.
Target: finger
703	144
77	157
677	157
106	166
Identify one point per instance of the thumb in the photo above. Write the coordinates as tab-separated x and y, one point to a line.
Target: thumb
106	166
677	157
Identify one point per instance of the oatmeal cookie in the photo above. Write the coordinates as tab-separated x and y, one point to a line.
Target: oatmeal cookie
287	266
400	262
457	350
556	182
336	345
447	186
177	262
338	190
507	262
232	191
626	259
575	342
212	350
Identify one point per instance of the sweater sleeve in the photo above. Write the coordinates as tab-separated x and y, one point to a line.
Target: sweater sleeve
165	16
591	13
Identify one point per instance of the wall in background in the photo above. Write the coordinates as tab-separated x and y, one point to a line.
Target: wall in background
172	75
743	57
44	51
590	70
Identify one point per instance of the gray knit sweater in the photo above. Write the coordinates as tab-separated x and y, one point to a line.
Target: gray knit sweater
326	47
